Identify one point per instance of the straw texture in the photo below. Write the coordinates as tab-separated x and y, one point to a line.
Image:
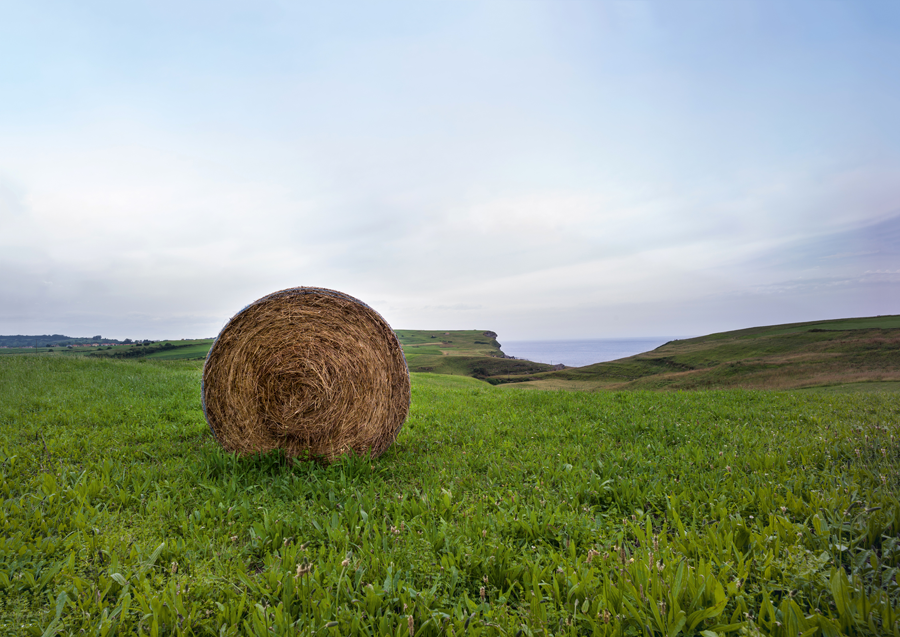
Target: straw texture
311	371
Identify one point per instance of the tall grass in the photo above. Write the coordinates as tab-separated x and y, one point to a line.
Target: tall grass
495	513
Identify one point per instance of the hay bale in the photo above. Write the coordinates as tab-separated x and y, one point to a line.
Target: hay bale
311	371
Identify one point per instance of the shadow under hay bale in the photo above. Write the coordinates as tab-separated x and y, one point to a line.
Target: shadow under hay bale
311	371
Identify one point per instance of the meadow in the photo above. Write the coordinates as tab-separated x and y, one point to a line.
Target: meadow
496	512
856	353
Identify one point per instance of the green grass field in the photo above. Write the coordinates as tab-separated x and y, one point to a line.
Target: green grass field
183	350
474	353
845	352
496	512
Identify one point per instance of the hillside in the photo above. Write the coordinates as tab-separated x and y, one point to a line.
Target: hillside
792	356
474	353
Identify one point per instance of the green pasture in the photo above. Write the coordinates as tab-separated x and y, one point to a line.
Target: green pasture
183	350
859	323
474	353
496	512
820	354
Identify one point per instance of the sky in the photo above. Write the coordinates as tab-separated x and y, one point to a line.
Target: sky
543	169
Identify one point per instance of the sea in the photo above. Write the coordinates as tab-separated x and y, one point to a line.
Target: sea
578	353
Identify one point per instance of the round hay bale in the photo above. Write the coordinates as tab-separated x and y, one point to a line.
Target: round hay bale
311	371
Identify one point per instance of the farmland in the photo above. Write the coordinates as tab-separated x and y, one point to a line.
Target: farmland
496	512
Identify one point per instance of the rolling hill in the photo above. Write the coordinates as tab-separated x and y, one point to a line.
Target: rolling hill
835	353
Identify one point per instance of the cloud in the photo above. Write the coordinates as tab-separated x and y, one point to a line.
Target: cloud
528	167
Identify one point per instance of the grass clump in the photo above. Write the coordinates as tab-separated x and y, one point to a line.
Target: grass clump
495	512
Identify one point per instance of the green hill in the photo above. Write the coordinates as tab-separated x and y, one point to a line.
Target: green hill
474	353
832	353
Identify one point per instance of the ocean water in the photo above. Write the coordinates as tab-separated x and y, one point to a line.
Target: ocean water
582	352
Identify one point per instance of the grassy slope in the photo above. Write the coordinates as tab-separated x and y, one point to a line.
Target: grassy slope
461	352
821	353
545	512
184	350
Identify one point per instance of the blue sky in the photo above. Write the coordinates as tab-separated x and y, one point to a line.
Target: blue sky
558	169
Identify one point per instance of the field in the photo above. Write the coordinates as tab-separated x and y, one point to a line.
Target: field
859	353
497	512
